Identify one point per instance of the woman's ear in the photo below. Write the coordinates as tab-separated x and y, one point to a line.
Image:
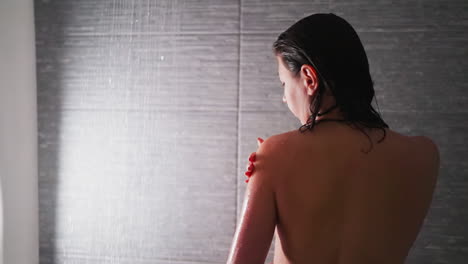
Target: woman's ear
310	90
310	78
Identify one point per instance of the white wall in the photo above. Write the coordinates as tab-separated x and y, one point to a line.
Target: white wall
18	134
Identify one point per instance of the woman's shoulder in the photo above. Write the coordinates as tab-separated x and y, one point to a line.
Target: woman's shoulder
427	143
280	142
278	146
420	151
285	147
423	145
291	141
428	148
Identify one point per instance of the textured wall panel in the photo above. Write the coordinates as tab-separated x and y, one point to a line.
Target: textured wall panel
117	17
260	87
137	186
145	72
402	15
427	72
274	16
137	130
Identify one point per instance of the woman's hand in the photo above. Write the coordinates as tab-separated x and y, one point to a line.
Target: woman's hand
250	166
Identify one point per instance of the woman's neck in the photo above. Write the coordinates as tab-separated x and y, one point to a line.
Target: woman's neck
329	109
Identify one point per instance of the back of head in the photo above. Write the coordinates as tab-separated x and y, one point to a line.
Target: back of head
330	44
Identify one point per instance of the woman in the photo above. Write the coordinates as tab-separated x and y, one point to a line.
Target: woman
344	188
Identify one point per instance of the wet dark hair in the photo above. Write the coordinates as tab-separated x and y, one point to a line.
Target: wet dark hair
332	47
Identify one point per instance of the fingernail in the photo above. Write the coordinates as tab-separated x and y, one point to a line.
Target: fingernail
248	173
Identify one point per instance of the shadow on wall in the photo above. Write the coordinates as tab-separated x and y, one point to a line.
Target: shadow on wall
49	36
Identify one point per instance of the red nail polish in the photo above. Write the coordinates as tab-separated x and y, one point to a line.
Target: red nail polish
252	158
247	180
250	167
248	173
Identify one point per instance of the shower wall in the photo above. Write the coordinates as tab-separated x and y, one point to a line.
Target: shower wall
148	111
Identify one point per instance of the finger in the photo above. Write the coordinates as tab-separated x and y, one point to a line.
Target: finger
259	141
252	156
250	167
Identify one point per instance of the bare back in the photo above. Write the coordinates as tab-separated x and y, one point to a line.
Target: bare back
339	205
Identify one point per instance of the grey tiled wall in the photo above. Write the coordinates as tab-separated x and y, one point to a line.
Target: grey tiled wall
149	109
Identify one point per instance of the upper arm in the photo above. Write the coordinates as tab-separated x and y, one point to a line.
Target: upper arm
258	218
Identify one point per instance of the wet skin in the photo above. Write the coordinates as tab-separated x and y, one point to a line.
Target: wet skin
325	201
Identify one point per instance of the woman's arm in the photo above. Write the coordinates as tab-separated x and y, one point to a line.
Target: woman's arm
257	223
